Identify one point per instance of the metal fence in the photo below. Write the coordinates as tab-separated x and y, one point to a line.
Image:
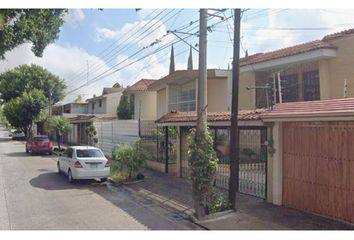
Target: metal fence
253	159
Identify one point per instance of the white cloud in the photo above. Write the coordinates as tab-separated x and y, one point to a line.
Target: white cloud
268	37
144	33
74	17
64	62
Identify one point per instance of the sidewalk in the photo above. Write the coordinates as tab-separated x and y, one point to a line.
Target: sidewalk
253	213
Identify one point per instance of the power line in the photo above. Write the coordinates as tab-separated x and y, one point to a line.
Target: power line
115	42
123	46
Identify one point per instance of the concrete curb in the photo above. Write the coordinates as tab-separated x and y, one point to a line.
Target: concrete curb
212	217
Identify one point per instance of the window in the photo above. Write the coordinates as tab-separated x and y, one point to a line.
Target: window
68	153
88	153
311	86
100	103
290	88
182	97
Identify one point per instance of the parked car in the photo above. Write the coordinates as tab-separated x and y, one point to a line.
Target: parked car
39	144
84	162
17	135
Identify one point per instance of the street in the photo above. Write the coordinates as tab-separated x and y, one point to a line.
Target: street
34	196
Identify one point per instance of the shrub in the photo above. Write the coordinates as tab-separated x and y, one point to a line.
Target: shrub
217	202
127	159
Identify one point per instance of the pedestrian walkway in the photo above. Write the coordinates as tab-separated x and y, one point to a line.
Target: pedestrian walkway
252	213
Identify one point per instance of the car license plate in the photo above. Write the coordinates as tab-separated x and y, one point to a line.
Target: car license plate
93	165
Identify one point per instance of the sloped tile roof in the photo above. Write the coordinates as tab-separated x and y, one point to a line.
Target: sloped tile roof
244	115
187	74
311	108
141	85
112	90
338	34
285	52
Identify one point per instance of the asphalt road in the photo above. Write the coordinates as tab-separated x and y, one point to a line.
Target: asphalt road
34	196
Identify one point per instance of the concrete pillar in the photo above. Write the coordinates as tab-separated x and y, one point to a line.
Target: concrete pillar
277	164
323	69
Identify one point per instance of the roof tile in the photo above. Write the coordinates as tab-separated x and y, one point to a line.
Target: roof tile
284	52
141	85
244	115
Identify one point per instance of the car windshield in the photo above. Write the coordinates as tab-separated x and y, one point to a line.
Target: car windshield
40	139
88	153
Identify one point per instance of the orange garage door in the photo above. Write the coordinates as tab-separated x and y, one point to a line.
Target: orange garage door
318	168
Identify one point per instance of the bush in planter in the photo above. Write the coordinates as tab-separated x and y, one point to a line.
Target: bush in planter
217	202
127	160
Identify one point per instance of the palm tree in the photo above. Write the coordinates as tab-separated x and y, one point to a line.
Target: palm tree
60	126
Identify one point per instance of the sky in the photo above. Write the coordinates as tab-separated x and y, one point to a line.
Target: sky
99	47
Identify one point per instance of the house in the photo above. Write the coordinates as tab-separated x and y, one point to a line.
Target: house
70	109
106	104
315	70
311	167
145	107
308	76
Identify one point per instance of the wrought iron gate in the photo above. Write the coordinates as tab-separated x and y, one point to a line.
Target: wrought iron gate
253	159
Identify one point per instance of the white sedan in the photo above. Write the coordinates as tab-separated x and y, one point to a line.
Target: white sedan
84	162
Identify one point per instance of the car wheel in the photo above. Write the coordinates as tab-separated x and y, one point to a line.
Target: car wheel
103	179
32	153
50	153
27	151
70	177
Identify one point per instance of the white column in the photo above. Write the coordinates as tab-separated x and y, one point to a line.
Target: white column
277	163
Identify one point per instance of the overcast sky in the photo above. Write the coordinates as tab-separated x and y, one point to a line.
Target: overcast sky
93	42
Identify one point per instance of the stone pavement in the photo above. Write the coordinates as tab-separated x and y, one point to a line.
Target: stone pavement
252	214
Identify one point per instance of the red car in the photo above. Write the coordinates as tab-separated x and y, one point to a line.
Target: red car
39	144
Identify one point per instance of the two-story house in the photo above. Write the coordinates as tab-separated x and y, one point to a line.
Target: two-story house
317	70
106	104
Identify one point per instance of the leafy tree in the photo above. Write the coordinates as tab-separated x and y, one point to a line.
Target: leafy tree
60	126
15	82
37	26
23	110
123	109
92	135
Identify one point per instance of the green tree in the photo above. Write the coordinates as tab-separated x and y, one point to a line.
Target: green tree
123	109
92	135
60	126
23	110
15	82
37	26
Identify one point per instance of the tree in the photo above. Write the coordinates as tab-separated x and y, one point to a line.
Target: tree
60	126
37	26
123	109
15	82
92	135
23	110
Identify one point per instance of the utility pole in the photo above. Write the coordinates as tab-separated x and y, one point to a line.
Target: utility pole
234	139
202	80
201	100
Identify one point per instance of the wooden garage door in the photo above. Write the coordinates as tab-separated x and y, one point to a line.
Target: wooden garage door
318	168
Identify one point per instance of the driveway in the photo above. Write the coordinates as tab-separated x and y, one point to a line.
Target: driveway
34	196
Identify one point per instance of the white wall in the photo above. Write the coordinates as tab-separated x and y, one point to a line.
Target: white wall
112	103
111	133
